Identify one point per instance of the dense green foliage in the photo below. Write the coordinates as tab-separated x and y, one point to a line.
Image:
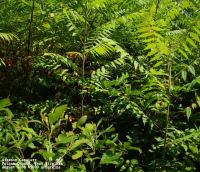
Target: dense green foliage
101	85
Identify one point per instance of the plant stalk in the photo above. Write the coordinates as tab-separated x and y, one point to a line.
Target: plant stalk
167	114
157	6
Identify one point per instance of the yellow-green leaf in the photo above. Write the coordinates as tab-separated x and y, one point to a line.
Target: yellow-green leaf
183	53
81	121
78	155
195	36
192	42
188	112
59	111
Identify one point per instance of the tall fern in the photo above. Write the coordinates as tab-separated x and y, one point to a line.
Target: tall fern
6	37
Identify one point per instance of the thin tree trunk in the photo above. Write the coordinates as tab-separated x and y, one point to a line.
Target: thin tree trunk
84	57
30	30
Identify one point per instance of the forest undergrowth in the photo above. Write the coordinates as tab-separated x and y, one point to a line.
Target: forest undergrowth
99	85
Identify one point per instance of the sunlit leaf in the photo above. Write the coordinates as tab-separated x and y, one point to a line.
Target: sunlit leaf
188	112
77	155
59	111
110	158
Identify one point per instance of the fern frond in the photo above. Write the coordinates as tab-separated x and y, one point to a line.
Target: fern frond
189	42
7	37
99	4
60	60
176	33
73	17
102	48
61	68
120	62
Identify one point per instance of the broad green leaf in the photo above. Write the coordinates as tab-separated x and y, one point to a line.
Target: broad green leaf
46	155
47	25
107	130
184	75
29	130
4	103
141	68
110	158
153	72
136	64
78	155
54	116
158	64
8	111
64	139
144	119
90	127
103	69
78	143
198	102
32	146
184	147
81	121
188	112
127	145
194	148
191	69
